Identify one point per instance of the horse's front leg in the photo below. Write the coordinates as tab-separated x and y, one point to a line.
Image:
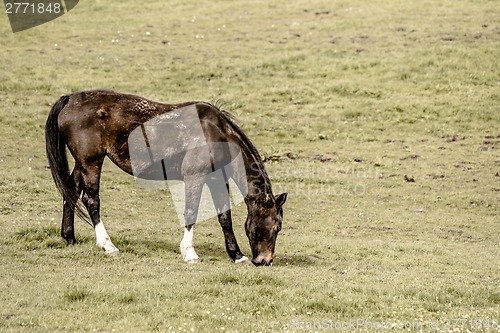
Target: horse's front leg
220	195
232	248
187	246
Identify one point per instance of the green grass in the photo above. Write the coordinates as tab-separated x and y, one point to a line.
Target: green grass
380	119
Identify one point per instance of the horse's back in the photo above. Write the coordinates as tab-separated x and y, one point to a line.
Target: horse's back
102	122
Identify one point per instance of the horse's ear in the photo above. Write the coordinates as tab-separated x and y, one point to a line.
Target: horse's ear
280	199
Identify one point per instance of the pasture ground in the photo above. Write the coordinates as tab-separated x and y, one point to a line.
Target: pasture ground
380	119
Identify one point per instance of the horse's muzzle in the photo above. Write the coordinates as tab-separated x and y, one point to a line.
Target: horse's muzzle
263	260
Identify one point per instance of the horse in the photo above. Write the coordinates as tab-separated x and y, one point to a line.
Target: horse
95	124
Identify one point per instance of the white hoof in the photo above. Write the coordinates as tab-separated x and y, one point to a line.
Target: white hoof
103	241
193	261
189	255
242	260
108	247
187	248
111	250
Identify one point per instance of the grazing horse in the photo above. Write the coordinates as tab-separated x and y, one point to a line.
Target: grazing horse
98	123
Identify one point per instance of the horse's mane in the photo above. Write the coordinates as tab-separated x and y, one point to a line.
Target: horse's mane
245	140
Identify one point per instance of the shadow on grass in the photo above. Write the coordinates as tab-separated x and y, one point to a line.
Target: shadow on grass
144	247
208	252
299	260
39	237
48	237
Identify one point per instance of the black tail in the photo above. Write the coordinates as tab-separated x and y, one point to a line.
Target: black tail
58	161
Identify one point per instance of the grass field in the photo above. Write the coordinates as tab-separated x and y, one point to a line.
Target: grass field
381	119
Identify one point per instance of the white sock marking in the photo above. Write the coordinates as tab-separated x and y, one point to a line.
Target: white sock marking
102	239
187	247
241	260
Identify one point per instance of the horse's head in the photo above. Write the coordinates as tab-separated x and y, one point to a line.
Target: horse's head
263	223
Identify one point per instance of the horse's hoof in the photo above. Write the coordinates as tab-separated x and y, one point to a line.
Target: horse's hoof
71	241
242	260
112	251
193	261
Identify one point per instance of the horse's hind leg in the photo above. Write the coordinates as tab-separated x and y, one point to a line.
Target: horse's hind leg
68	219
91	177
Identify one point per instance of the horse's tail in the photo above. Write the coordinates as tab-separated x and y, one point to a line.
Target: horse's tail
56	153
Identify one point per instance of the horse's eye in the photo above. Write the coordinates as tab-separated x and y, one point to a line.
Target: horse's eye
278	226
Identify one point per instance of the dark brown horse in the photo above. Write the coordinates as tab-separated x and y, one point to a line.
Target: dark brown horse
99	123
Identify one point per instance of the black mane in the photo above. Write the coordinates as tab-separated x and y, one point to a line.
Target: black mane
250	147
